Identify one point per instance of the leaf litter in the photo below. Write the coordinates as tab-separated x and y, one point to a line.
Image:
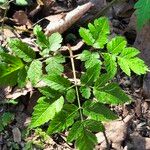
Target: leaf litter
139	110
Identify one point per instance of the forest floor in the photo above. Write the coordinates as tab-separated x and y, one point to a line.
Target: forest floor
130	132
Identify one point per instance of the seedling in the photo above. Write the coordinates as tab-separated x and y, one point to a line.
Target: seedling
68	105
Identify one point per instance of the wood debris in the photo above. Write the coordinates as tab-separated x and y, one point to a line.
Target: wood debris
68	20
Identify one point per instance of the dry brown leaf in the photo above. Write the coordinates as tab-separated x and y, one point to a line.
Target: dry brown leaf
19	92
116	132
21	18
16	135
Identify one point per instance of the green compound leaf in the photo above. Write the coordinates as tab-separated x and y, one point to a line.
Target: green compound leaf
101	41
97	34
63	119
78	127
93	125
92	62
22	75
57	82
101	33
90	59
45	111
93	30
142	12
86	36
110	64
48	92
129	52
102	80
22	50
138	66
10	66
124	65
127	62
103	29
47	44
116	45
86	141
111	94
35	71
54	64
75	131
98	111
85	55
8	76
102	26
85	92
91	75
71	95
10	59
42	40
55	41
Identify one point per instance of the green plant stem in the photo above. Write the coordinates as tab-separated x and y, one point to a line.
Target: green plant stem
71	87
75	80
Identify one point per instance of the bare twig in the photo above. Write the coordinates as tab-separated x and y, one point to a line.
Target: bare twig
73	48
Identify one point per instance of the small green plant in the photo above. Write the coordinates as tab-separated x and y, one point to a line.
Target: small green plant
6	119
142	12
40	138
77	105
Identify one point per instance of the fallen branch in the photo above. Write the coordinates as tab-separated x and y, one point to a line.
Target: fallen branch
73	48
68	20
